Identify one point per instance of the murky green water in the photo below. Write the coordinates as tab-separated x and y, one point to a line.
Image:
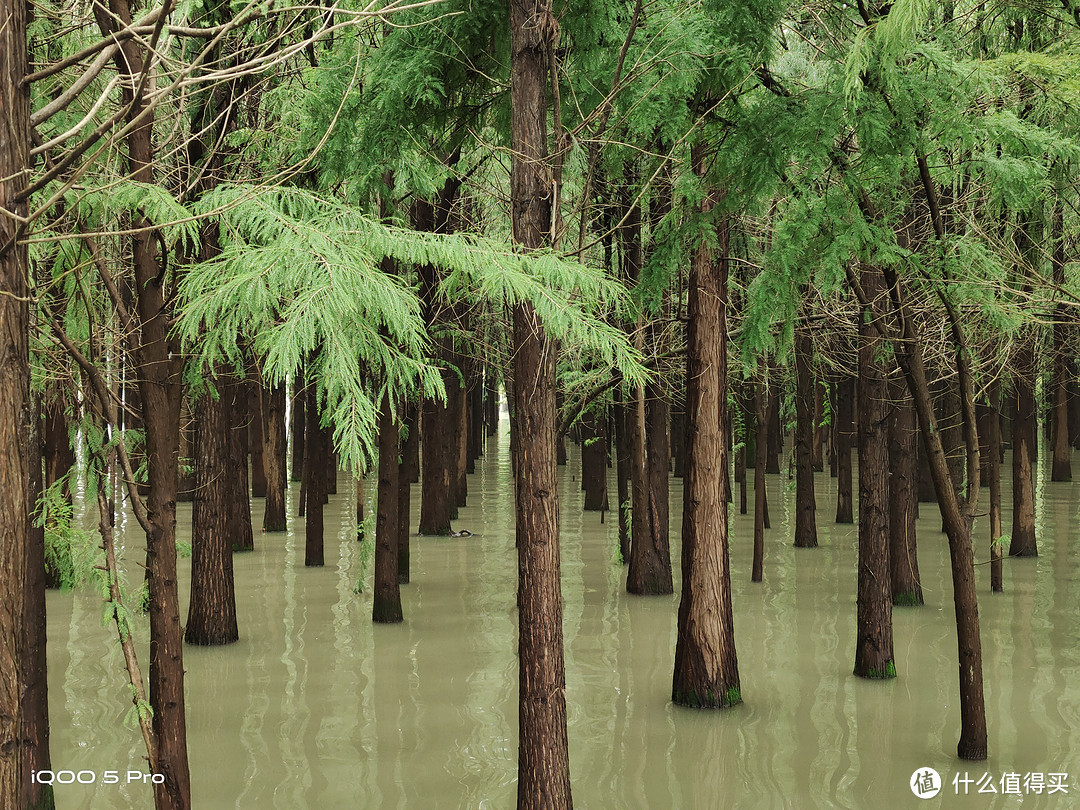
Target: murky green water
315	707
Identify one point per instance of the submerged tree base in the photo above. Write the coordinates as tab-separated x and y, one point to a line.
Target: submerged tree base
873	674
710	699
386	611
908	599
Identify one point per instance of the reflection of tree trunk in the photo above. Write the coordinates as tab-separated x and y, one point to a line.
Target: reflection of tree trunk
386	602
543	755
706	665
874	641
1022	543
903	439
212	609
273	411
805	504
845	431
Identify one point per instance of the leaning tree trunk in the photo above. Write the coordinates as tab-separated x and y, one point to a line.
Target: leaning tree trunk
874	638
706	665
543	756
212	609
805	504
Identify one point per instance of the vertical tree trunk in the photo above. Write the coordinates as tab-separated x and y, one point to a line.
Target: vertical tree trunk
993	447
761	503
845	430
185	485
256	442
437	503
1022	543
36	757
874	640
649	571
315	479
1061	468
406	475
805	503
903	501
212	609
238	483
273	411
819	440
299	428
386	604
594	461
543	757
706	665
774	435
159	394
59	459
622	471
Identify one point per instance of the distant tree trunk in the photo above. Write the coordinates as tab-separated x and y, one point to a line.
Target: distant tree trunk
256	442
761	503
1022	543
299	428
386	602
543	756
774	435
185	486
903	501
237	483
650	557
706	665
476	417
594	461
491	402
59	459
1061	468
315	479
622	465
819	428
874	638
746	441
993	444
406	475
273	411
678	438
436	503
845	430
805	503
35	738
212	608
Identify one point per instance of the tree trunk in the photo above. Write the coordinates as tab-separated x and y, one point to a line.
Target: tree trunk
818	443
594	461
185	485
386	604
158	370
1022	543
903	501
35	752
622	471
1061	468
299	429
59	459
543	757
845	430
315	479
805	503
650	556
256	443
238	483
774	436
212	609
874	638
761	502
273	411
406	475
706	665
437	503
993	446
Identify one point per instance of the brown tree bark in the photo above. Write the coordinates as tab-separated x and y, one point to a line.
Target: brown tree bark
594	461
874	640
14	395
59	459
299	429
314	479
1023	542
238	484
212	609
255	390
386	602
543	757
706	671
158	365
774	434
1061	467
805	503
990	462
903	500
35	752
761	502
273	411
622	472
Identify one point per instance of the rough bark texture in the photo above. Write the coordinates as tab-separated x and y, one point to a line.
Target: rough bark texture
36	796
273	411
845	432
543	757
212	609
386	604
874	640
706	666
594	461
14	394
805	503
238	483
903	501
437	501
649	571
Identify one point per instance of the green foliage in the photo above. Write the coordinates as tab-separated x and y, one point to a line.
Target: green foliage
70	551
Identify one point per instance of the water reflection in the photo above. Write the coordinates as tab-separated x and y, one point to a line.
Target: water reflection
316	707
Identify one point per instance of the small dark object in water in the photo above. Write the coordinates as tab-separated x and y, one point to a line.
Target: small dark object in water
462	533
